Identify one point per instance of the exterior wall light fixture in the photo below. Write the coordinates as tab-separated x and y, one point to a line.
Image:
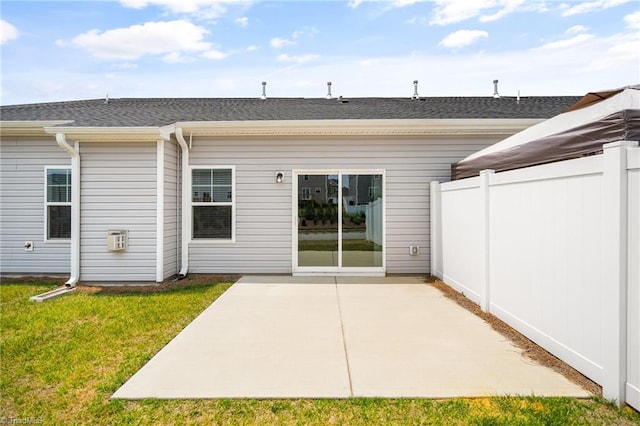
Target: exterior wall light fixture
279	177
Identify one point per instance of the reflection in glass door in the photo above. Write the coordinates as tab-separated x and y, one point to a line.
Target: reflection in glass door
340	222
318	220
362	221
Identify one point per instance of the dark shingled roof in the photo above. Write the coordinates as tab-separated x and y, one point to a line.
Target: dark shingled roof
162	111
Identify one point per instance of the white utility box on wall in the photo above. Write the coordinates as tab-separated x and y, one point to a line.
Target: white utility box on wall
117	240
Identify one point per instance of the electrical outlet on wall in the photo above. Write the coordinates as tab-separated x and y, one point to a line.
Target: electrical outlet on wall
414	250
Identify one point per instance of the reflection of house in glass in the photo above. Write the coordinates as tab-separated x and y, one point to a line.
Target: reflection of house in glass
320	189
360	190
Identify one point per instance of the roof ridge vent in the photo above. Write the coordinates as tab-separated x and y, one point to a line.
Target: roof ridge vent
415	90
328	90
496	95
264	91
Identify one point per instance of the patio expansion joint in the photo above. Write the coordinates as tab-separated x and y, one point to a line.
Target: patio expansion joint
344	341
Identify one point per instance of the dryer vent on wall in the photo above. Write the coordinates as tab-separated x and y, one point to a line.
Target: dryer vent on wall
117	240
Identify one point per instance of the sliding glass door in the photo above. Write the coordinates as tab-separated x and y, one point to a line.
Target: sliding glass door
340	223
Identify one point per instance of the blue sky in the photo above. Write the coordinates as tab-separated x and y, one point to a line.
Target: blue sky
225	48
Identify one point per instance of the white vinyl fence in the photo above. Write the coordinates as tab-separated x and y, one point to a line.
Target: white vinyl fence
374	221
553	251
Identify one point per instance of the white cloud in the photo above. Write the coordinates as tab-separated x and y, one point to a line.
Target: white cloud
573	41
152	38
126	66
390	3
633	20
279	43
299	59
202	8
577	29
174	58
7	32
252	48
509	6
589	6
447	12
415	20
214	54
305	32
403	3
242	21
463	38
452	11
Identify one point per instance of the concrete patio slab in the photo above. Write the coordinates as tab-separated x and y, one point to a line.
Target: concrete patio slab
268	337
405	340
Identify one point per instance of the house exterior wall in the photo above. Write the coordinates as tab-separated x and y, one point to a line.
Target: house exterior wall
118	191
171	205
22	216
264	208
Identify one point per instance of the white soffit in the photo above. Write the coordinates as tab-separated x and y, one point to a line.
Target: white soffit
28	128
108	134
409	127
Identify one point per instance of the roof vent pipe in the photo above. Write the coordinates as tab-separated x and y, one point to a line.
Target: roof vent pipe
264	90
328	90
415	90
518	98
495	89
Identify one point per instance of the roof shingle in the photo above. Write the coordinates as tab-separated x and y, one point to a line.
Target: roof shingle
132	112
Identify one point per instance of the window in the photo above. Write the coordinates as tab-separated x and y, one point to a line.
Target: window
212	202
305	194
58	203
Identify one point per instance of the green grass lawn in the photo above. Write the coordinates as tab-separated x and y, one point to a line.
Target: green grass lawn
61	360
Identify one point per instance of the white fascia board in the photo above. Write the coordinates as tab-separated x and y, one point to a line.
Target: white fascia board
397	127
109	134
28	128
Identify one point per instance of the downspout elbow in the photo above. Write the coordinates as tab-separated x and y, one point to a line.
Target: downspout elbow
185	202
75	208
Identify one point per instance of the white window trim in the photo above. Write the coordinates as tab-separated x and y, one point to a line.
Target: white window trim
45	237
232	203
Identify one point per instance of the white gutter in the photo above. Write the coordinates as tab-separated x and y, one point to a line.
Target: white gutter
75	207
186	191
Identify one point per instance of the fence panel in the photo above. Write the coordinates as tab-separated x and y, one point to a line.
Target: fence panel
545	266
554	251
373	220
633	287
461	224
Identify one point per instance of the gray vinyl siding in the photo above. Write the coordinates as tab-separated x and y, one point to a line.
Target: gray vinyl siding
170	209
264	210
22	208
118	191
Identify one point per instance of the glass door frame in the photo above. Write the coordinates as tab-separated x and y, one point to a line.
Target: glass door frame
336	270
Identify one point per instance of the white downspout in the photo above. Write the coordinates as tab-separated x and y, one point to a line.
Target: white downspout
186	191
74	152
